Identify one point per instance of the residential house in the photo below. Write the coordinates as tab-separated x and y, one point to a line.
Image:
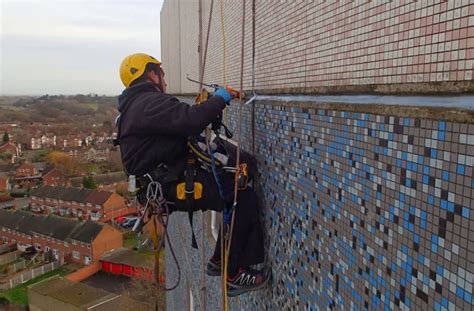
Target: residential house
27	175
12	150
97	153
26	170
68	240
4	183
53	177
39	141
81	203
106	182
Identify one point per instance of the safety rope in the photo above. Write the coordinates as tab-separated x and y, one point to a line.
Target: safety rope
224	53
253	77
225	118
237	165
202	67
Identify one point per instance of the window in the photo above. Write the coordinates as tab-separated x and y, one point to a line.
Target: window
37	246
74	242
76	255
66	244
98	206
3	229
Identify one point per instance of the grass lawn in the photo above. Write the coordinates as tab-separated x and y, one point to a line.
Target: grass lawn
130	240
18	295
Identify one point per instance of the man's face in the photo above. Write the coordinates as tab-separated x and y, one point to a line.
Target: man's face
163	81
158	79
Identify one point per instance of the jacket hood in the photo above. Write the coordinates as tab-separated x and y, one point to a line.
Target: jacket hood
129	93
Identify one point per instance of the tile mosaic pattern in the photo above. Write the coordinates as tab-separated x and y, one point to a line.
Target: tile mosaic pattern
338	43
364	211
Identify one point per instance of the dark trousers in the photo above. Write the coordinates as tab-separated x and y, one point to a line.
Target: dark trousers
247	239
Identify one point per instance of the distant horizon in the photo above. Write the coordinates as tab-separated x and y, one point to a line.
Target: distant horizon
39	95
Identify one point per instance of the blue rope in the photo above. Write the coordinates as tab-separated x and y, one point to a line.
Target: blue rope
227	205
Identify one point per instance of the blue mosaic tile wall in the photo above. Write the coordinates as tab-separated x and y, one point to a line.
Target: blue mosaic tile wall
363	211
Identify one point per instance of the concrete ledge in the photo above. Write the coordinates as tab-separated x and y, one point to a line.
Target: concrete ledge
425	88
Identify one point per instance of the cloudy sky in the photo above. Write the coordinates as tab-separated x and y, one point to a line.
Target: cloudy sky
73	46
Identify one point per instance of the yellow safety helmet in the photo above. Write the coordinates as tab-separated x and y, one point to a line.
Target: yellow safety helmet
133	67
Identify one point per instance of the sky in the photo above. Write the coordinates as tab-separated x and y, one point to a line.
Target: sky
73	46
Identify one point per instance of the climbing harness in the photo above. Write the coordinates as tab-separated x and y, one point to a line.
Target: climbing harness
157	211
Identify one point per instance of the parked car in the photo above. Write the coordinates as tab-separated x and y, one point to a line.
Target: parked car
120	219
128	223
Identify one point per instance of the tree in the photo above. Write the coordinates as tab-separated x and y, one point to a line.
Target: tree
89	182
62	161
6	137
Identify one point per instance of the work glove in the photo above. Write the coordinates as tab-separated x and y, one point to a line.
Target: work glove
226	95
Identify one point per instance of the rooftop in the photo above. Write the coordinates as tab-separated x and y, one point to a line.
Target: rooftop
128	257
52	226
85	297
82	195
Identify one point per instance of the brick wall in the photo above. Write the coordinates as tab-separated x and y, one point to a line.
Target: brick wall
313	45
54	178
83	273
365	206
108	239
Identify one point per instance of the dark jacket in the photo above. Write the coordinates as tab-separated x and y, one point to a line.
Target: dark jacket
154	127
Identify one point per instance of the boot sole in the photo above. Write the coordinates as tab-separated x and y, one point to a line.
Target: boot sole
234	292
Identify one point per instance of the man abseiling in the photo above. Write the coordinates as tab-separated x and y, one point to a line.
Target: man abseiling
153	132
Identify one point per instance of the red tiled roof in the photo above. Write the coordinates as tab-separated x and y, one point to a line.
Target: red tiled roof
98	197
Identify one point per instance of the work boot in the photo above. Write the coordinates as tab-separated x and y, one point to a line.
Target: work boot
213	267
246	280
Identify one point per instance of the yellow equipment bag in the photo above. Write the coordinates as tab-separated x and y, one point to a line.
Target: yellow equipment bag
181	191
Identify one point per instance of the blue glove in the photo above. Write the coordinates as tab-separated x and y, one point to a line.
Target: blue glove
222	92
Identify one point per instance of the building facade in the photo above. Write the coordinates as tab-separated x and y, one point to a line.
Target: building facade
80	203
26	170
367	199
65	240
4	183
53	178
